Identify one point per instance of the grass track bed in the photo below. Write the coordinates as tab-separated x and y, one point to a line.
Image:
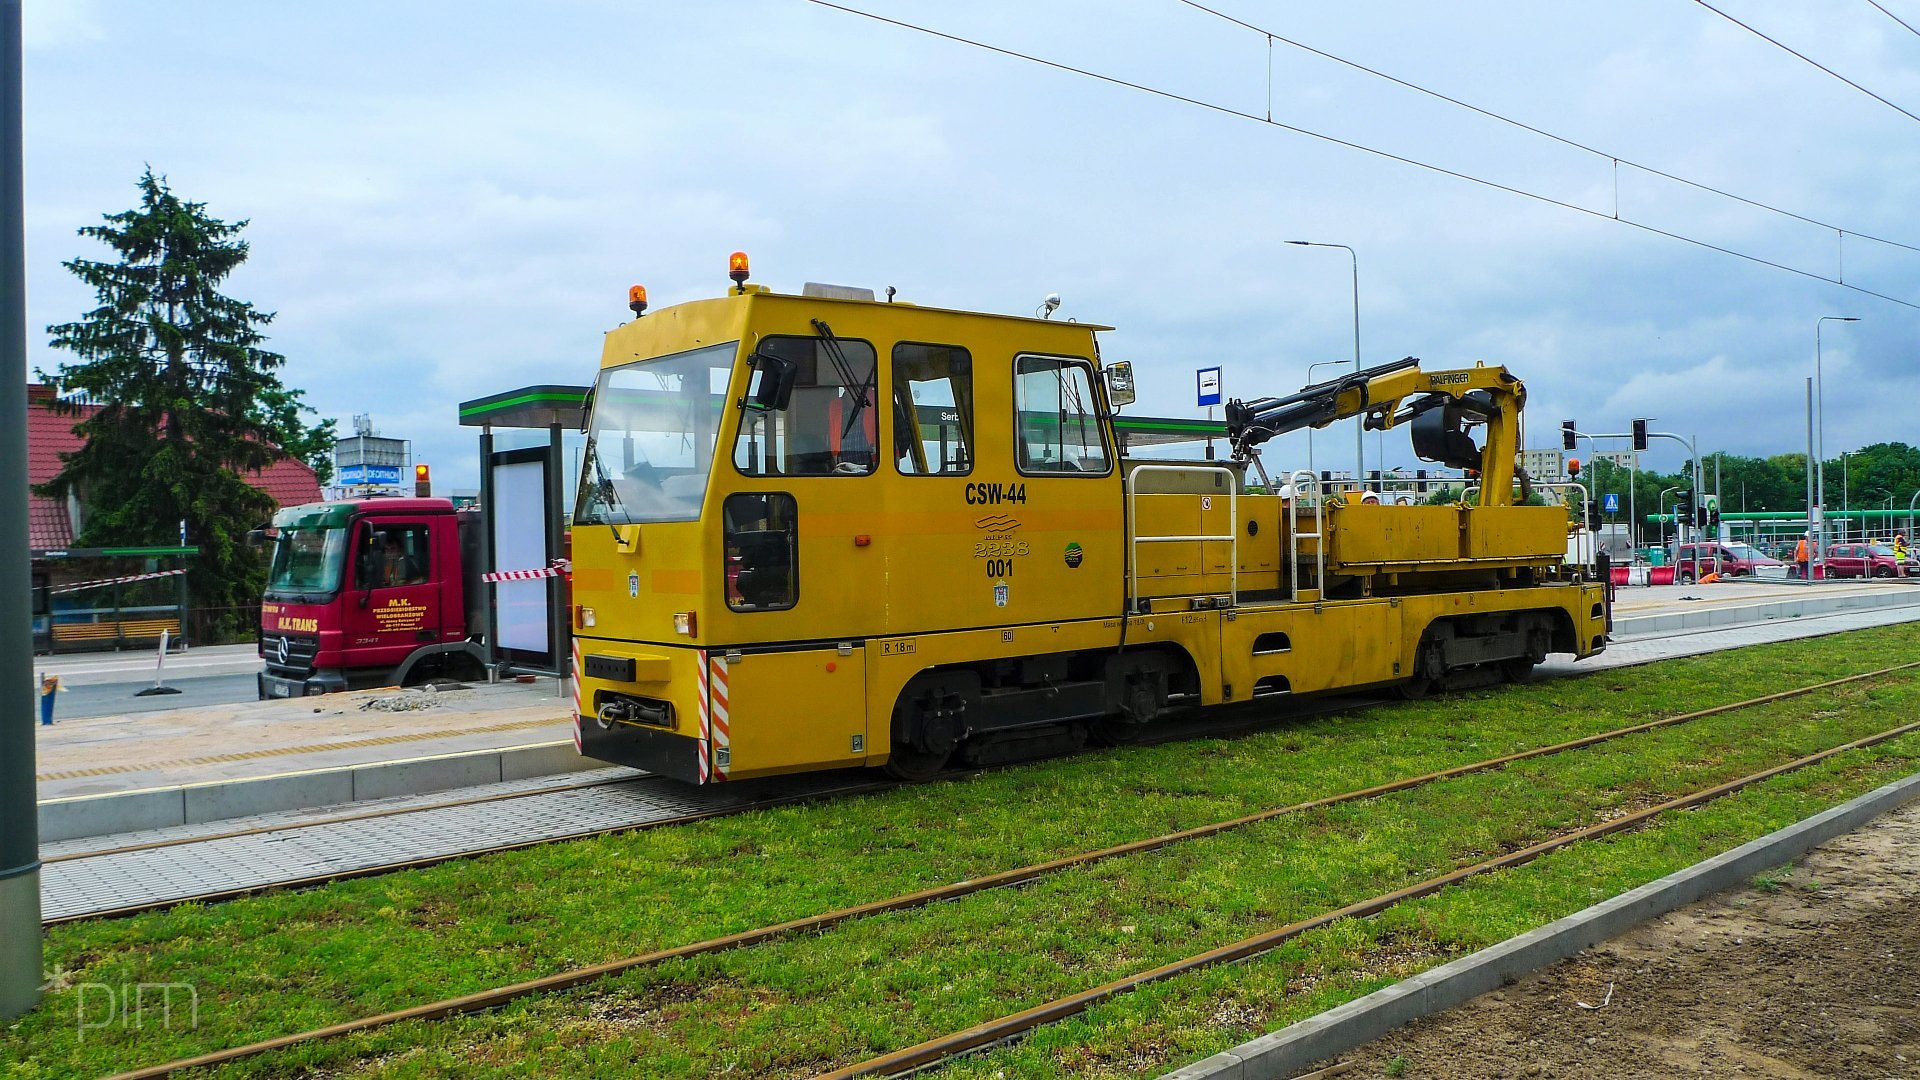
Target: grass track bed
276	964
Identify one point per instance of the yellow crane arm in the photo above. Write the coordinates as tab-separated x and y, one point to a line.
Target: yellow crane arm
1439	406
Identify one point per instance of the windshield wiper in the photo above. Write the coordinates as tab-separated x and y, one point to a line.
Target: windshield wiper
608	495
844	369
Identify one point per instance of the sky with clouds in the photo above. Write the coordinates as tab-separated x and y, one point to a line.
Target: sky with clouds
449	200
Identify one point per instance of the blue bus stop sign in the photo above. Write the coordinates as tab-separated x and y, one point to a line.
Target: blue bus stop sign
1613	503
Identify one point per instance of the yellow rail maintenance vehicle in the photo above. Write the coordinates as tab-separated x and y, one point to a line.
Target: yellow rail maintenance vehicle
823	531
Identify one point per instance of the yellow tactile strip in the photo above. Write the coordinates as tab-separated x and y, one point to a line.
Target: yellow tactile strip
282	751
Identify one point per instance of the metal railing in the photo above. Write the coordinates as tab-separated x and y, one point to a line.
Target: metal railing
1318	535
1230	537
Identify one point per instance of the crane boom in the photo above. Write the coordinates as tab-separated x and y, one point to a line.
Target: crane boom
1440	405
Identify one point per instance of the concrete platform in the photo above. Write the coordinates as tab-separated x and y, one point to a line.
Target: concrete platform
107	755
1662	609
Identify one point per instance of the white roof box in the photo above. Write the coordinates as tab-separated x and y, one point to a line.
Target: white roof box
835	292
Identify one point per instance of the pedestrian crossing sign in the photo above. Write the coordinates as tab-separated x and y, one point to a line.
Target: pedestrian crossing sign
1613	503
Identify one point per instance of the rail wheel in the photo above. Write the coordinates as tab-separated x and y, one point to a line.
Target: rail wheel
929	721
1428	669
1517	670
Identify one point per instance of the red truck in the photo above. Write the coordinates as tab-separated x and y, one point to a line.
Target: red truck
1859	560
371	592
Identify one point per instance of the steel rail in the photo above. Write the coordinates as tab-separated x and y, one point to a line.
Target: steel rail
935	1051
314	823
455	856
490	999
1173	730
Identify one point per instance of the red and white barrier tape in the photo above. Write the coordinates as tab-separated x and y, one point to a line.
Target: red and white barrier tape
560	568
78	585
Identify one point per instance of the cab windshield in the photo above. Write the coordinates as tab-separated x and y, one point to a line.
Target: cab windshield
650	445
307	563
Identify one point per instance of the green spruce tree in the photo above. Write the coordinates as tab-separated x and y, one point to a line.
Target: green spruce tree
191	407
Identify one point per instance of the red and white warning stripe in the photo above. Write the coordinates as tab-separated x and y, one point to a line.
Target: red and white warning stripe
722	746
700	659
78	585
578	743
560	568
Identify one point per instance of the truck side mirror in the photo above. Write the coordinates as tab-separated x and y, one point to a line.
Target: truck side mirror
1120	383
773	381
256	538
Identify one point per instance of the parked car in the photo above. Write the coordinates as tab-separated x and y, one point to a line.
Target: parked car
1859	560
1691	562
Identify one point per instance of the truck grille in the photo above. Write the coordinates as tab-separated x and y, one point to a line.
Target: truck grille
290	655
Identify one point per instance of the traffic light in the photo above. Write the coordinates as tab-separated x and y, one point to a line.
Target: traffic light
1683	508
422	482
1567	432
1639	434
1573	468
1593	515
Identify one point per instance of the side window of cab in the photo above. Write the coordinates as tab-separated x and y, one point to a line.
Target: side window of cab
1057	429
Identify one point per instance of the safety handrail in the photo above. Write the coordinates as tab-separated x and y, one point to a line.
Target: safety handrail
1231	536
1318	535
1549	485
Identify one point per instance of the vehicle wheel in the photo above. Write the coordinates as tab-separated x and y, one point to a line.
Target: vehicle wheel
1418	688
929	723
1114	730
1685	578
914	766
1517	670
1882	571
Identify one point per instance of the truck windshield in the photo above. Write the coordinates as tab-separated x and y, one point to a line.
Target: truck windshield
307	561
650	445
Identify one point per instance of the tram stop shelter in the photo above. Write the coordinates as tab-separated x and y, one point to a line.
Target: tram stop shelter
529	627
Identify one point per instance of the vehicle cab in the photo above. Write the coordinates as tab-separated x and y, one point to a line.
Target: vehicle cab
355	590
775	486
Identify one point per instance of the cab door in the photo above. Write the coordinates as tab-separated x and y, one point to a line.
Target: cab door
395	606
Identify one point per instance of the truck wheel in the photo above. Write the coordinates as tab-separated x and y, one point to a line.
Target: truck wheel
1686	577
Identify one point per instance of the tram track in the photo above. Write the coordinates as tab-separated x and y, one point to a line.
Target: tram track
974	1038
944	1048
1240	718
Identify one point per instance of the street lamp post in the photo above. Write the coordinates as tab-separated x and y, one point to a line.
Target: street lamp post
1310	369
1359	426
1820	410
20	942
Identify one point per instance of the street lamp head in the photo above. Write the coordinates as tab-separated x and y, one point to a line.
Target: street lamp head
1301	243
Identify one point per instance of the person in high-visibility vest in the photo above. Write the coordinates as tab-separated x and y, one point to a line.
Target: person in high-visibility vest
1800	556
1900	546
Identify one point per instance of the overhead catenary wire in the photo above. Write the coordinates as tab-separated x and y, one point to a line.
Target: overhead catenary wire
1228	110
1563	140
1895	18
1783	47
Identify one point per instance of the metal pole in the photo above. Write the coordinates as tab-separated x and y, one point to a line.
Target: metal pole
1633	513
559	615
1310	370
1812	533
20	947
1820	439
1359	425
487	555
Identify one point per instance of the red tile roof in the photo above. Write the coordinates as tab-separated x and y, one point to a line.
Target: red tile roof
50	434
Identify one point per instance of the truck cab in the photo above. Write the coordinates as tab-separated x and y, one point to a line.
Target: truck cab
368	592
